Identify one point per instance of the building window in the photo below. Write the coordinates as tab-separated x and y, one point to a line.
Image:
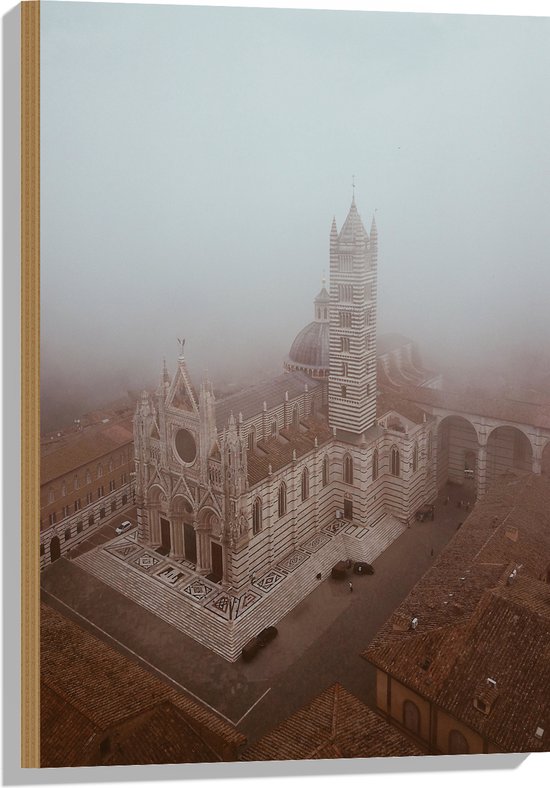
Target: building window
375	464
77	505
100	492
123	478
415	458
345	369
345	319
79	526
325	313
251	439
88	477
370	317
64	489
52	518
344	344
113	505
457	743
101	514
344	392
305	484
282	500
295	417
51	495
348	469
91	520
257	516
411	717
76	483
326	472
112	485
89	497
430	445
99	470
345	293
67	534
395	461
346	262
111	466
348	509
65	511
42	549
273	427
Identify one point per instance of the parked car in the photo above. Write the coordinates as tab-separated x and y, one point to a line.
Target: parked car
267	635
123	527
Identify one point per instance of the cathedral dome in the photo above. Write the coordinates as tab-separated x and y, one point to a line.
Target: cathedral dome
310	350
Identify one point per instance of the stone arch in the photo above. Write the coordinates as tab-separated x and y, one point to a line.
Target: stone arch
507	448
156	506
457	441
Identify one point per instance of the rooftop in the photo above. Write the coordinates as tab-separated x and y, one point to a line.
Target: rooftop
334	725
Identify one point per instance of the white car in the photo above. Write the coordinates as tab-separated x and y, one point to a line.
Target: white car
123	527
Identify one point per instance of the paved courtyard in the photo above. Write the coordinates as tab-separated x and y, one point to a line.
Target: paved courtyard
319	641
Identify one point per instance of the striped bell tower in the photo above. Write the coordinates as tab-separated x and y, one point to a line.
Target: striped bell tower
352	376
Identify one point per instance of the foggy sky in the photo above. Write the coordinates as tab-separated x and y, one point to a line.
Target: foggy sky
192	160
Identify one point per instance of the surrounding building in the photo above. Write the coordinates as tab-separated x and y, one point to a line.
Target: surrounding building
86	477
463	664
100	708
334	725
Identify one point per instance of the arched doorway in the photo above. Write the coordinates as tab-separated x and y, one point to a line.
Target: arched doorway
182	510
507	448
156	508
55	549
457	448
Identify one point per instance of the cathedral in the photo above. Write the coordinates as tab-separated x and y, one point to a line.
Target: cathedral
273	485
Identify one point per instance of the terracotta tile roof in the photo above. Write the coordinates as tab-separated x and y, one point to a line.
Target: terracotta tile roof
107	688
390	400
162	737
65	733
83	447
250	401
334	725
536	414
473	625
277	451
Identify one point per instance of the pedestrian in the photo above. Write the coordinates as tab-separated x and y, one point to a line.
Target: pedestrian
350	586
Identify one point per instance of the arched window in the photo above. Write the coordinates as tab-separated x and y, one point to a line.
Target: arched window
305	484
64	489
75	482
411	717
348	469
88	477
345	369
458	744
325	313
395	461
111	466
295	417
99	470
375	464
326	471
257	516
415	458
251	438
273	427
344	344
344	392
282	499
51	495
67	534
430	445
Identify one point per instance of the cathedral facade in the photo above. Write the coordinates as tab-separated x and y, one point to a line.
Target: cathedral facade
241	487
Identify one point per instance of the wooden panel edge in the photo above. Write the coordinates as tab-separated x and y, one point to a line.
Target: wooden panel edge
30	370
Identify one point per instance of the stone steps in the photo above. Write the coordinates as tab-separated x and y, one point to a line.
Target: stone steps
227	637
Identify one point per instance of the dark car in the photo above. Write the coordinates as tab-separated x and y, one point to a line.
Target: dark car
362	568
267	635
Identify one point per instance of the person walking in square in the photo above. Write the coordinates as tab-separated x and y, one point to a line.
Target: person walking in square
350	586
